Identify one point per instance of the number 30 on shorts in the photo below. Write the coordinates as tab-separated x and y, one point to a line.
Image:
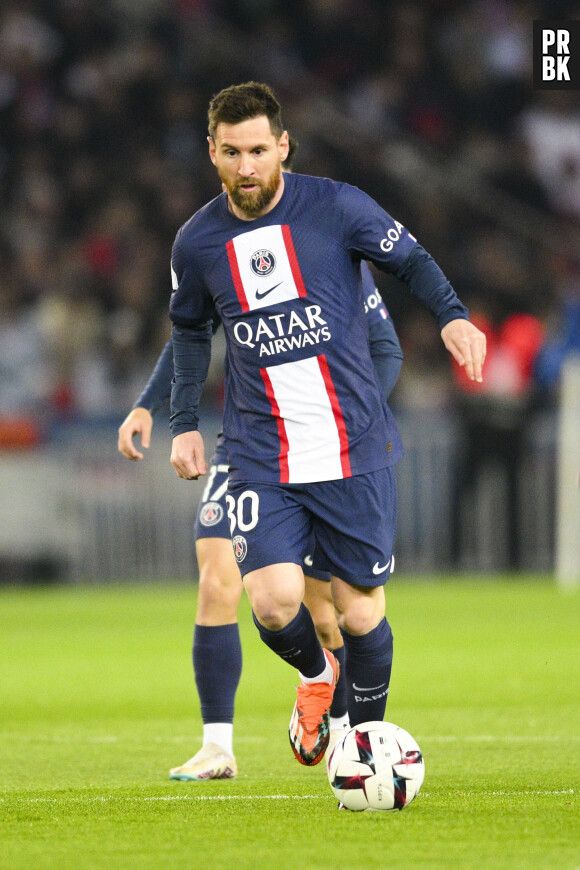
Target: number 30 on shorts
245	513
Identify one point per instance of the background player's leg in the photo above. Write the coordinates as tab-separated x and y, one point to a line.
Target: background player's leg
217	651
217	659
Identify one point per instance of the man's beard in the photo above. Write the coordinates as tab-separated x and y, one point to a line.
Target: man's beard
254	202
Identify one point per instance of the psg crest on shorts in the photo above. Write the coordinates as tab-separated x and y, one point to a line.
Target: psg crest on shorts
211	513
263	263
240	547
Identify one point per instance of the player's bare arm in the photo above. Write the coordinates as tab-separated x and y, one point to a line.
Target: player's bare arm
467	344
138	422
188	455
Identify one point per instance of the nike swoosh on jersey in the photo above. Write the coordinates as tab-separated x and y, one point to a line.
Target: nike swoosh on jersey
260	295
368	688
378	570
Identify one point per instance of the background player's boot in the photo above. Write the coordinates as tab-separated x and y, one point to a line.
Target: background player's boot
211	762
308	731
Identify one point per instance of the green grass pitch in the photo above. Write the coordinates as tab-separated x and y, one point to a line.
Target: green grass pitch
97	703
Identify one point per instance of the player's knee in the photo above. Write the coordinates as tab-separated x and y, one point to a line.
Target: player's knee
359	609
274	613
272	618
211	585
216	590
359	618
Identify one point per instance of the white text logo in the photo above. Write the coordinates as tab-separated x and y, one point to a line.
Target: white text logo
279	333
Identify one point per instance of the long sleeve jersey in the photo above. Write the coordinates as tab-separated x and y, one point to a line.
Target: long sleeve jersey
385	348
303	402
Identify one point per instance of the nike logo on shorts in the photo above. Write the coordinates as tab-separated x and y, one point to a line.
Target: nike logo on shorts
377	569
260	295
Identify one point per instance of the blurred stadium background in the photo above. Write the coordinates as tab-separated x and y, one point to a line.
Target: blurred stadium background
429	107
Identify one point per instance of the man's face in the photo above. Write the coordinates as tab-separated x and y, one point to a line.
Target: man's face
248	159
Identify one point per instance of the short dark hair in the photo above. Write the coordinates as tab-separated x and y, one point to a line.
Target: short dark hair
241	103
292	148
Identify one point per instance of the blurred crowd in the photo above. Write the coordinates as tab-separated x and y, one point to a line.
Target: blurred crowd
428	106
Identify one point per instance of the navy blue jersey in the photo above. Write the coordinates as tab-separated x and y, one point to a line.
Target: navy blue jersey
303	403
385	349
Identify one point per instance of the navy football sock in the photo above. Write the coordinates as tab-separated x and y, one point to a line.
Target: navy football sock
368	672
217	664
296	643
339	704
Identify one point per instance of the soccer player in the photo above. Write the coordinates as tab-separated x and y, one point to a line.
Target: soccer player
217	652
310	440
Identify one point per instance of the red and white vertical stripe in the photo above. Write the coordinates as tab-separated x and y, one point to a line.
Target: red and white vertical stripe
282	284
311	427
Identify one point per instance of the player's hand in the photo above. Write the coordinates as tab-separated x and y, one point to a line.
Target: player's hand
139	421
187	455
467	344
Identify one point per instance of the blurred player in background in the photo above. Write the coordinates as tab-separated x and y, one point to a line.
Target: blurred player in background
217	653
310	440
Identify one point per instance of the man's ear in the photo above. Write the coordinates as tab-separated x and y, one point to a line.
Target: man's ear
211	148
284	145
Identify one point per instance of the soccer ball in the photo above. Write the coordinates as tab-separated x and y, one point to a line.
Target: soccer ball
375	766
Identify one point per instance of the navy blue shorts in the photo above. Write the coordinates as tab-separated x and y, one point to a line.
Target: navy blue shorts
353	522
212	520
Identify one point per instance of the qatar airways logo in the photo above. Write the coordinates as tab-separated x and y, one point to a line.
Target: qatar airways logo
279	333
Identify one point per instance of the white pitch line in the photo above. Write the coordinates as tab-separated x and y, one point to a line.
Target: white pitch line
497	738
426	738
270	797
520	793
174	797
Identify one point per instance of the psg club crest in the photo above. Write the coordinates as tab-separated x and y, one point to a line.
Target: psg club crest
240	548
263	263
211	513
